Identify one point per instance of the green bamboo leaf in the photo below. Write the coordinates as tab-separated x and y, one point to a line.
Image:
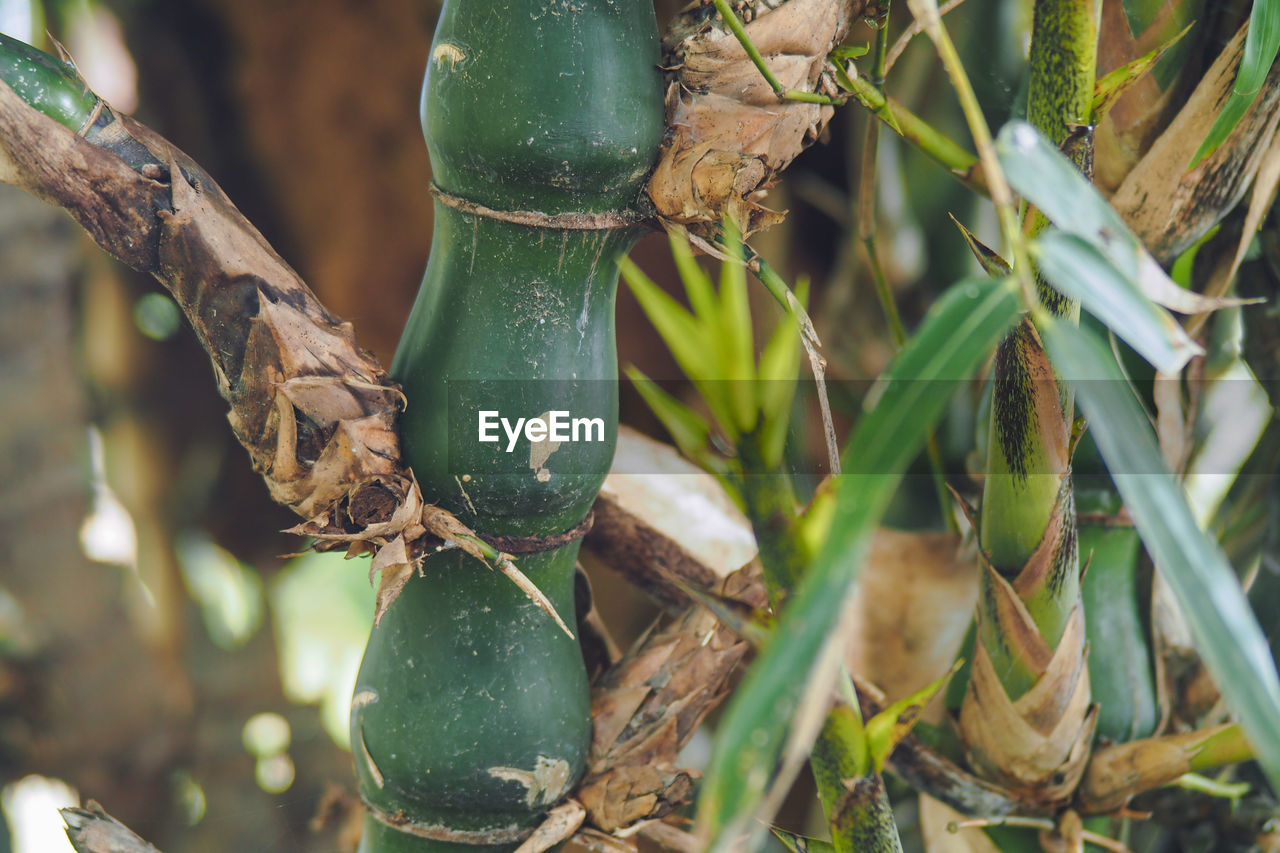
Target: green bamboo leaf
1226	632
734	338
856	51
887	729
1112	87
801	843
802	657
685	335
702	294
680	330
1261	45
687	428
1047	179
1078	270
778	375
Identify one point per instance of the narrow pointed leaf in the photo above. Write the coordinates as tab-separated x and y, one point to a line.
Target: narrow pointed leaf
1078	270
1226	632
1112	87
686	336
697	284
800	843
1261	45
1047	179
679	329
956	336
738	353
988	258
778	376
887	729
687	428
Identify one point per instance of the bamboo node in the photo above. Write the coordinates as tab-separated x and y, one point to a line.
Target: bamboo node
607	221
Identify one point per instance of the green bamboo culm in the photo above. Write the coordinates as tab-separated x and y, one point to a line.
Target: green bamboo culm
51	86
471	714
1030	620
54	88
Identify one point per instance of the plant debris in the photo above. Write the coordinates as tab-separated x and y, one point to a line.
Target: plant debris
92	830
1170	206
317	414
728	133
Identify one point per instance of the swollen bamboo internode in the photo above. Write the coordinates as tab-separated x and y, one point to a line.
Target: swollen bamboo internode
471	714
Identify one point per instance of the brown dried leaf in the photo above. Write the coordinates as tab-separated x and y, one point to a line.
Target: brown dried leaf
393	562
559	824
317	414
729	134
647	706
1170	207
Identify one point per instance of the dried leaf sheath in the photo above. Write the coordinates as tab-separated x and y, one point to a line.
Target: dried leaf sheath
317	414
728	133
648	705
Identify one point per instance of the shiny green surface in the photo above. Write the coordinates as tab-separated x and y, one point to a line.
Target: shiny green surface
465	686
547	105
471	703
519	321
48	84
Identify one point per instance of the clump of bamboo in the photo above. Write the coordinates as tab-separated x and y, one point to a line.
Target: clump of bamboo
471	715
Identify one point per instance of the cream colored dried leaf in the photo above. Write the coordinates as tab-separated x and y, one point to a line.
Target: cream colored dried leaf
1039	744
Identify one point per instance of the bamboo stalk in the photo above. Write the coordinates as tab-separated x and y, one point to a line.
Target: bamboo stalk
1030	656
471	715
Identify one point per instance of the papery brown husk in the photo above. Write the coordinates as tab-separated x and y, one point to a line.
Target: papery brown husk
317	414
729	134
1038	743
647	706
1170	206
